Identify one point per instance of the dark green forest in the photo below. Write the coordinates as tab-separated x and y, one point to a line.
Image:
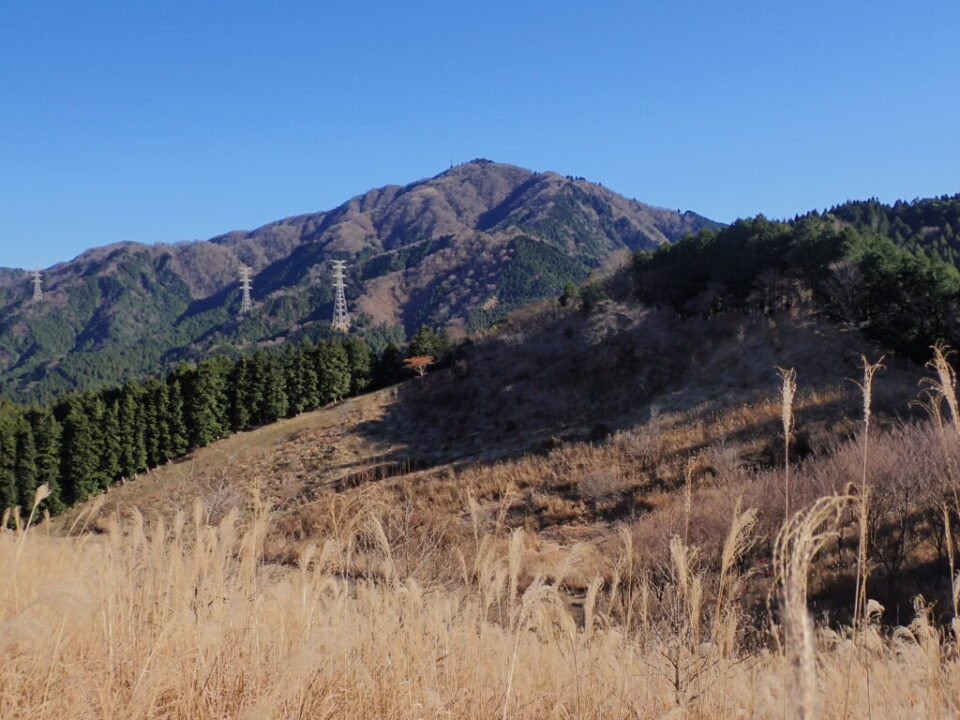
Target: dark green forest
894	291
537	271
930	226
84	442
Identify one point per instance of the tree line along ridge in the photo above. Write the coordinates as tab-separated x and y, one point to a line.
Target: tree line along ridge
82	443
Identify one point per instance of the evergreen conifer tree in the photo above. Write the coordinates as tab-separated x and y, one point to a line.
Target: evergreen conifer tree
333	370
26	467
274	400
161	409
389	367
361	364
308	374
427	341
241	396
110	448
293	373
133	448
259	378
175	424
46	435
205	409
153	423
8	457
423	342
80	457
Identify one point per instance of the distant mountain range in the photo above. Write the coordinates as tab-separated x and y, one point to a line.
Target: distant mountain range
460	249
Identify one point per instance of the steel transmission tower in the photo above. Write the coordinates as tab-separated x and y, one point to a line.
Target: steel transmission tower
341	318
37	286
246	305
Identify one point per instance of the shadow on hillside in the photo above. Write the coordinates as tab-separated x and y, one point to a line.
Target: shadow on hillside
211	302
553	376
494	216
292	270
896	592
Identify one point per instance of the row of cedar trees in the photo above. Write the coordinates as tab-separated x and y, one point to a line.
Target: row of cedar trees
83	443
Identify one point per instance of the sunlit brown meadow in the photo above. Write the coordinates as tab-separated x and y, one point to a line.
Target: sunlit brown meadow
186	621
473	593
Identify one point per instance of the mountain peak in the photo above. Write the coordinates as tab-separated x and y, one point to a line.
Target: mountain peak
461	249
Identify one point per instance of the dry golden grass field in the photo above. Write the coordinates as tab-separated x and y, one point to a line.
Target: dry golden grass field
653	562
187	620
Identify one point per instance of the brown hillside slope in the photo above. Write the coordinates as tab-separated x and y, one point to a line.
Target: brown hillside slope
659	432
577	519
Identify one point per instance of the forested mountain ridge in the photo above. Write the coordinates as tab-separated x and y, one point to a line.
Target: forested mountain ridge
895	291
931	225
462	249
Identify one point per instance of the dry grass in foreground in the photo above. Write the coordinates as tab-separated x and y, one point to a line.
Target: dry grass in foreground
186	621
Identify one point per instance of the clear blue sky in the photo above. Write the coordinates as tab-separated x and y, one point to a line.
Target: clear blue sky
169	120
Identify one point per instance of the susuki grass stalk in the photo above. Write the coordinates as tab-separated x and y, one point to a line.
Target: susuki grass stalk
738	541
860	589
954	579
945	384
788	391
515	559
590	605
41	494
800	539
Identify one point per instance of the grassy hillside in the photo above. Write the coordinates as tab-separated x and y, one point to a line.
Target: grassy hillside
188	621
636	427
358	560
669	365
612	506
